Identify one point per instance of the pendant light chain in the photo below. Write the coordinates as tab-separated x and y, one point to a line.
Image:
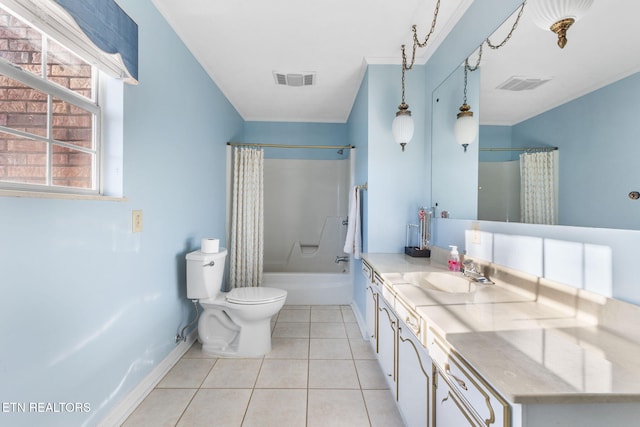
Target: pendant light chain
416	44
513	28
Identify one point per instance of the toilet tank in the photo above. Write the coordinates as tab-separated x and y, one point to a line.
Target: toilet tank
204	273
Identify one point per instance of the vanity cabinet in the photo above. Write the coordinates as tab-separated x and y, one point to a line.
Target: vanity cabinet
414	373
448	408
464	389
387	343
394	330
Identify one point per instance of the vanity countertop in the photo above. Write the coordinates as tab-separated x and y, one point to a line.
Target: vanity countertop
530	349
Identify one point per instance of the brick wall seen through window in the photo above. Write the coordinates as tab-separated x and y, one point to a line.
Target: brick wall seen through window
44	140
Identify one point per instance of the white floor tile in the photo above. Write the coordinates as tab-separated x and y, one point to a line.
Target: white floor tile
216	407
320	372
361	349
329	348
283	373
370	375
326	315
277	408
233	373
327	330
187	373
294	315
289	348
382	408
338	374
336	408
291	330
162	407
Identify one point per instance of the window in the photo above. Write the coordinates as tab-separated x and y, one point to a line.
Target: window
49	114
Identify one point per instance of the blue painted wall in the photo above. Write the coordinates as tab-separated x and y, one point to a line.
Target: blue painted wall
597	135
88	308
358	136
455	172
492	136
297	133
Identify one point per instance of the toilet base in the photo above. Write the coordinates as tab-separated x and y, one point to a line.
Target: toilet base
224	331
253	341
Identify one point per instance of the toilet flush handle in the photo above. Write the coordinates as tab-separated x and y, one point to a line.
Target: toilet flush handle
211	264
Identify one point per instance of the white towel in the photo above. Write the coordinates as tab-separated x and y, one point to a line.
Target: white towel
353	241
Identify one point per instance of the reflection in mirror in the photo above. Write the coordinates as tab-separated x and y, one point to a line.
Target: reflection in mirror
580	99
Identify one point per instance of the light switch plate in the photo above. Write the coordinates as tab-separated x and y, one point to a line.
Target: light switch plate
136	221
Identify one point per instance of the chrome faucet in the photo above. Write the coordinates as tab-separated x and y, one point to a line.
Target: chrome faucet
473	271
342	259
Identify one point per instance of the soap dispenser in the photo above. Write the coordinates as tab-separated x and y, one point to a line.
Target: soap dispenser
454	259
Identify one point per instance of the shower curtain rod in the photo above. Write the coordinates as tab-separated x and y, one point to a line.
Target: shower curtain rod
335	147
520	149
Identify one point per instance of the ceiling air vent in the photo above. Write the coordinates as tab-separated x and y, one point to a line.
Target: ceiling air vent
295	79
517	84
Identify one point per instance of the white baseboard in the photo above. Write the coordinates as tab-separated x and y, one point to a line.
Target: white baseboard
130	402
361	323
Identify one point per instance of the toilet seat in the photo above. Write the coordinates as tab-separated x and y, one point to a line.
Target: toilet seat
255	295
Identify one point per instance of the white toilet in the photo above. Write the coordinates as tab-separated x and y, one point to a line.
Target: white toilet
235	323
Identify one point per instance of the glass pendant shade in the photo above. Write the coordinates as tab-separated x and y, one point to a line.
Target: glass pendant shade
558	15
402	127
466	127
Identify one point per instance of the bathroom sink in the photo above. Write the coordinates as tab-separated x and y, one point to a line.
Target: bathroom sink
442	281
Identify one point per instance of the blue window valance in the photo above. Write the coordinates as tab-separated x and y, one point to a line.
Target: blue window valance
97	30
109	27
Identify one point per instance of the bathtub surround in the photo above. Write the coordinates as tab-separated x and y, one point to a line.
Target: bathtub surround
305	211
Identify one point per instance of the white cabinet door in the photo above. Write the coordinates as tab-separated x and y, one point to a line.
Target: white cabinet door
414	372
371	317
387	341
448	409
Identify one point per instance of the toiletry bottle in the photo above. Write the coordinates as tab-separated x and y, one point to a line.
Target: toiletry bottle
454	259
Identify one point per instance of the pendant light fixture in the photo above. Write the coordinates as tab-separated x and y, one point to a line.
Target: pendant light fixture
402	126
558	15
466	126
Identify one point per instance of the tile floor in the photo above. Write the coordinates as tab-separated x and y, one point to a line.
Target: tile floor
320	372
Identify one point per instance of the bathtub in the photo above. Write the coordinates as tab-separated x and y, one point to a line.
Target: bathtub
313	288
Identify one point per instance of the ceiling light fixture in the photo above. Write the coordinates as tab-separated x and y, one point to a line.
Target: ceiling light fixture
466	126
402	126
559	15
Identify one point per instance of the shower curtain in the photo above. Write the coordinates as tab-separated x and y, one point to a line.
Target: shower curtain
538	193
247	223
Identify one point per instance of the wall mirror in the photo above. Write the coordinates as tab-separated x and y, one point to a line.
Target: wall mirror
580	99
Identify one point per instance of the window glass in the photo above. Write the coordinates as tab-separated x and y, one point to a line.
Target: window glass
48	120
20	44
67	70
22	160
71	168
22	108
72	124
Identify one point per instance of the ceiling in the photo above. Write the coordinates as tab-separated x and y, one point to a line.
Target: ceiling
602	47
240	43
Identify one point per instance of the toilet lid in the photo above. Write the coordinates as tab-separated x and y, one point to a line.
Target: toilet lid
255	295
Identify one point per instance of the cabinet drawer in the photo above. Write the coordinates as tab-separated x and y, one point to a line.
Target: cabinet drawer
488	406
410	318
389	296
367	271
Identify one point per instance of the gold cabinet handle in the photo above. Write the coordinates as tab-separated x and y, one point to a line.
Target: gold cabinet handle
415	327
460	382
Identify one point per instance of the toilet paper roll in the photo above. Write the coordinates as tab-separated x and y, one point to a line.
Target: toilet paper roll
210	246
